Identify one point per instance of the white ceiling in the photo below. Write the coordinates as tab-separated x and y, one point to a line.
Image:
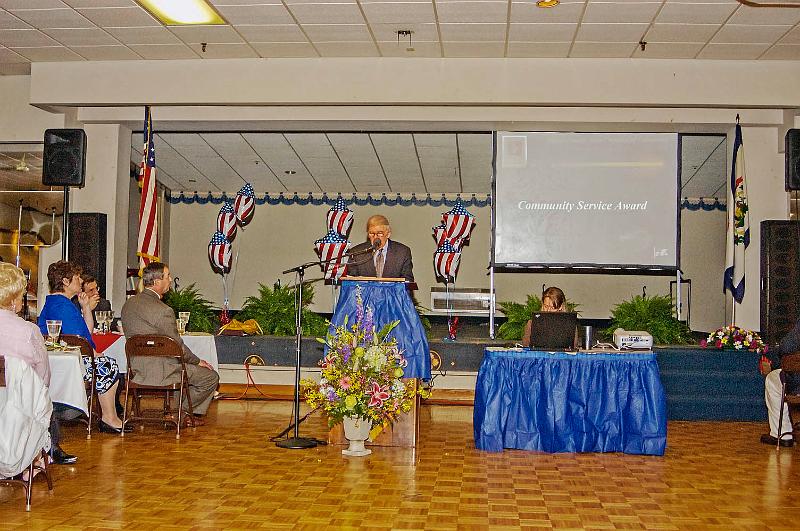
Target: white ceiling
369	162
78	30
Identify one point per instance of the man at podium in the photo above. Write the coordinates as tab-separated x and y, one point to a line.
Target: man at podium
390	259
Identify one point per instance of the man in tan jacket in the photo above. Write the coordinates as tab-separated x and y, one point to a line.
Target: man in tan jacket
144	313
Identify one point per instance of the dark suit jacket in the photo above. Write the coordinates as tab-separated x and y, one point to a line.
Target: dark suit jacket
398	262
789	345
144	313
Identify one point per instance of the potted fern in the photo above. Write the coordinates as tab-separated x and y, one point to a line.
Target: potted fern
519	314
202	318
274	309
651	314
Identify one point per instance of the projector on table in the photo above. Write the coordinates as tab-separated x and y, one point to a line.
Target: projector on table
630	339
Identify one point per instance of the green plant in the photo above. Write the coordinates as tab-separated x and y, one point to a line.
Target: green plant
519	314
274	309
203	318
653	315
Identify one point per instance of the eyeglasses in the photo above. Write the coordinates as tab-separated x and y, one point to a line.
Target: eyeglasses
377	233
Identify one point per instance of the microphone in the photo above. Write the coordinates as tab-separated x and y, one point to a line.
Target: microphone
376	244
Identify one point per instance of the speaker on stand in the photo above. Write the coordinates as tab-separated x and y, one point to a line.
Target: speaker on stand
780	278
64	165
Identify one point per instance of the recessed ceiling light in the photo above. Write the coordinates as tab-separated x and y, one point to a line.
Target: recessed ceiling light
289	172
183	12
547	3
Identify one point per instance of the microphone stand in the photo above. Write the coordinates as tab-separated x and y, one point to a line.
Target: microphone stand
296	442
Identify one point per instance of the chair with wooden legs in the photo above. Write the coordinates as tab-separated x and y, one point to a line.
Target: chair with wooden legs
88	351
22	479
790	367
156	346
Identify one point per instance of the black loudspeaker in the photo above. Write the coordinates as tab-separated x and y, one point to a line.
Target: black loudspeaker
64	157
793	159
87	244
780	278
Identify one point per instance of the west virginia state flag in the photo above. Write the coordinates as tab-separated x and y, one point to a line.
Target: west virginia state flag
738	223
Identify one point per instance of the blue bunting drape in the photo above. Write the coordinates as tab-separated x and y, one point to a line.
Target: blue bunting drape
472	200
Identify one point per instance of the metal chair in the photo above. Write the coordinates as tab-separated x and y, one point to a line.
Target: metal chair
88	351
26	484
156	346
790	367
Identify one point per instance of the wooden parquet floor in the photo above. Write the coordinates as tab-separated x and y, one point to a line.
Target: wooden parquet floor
226	475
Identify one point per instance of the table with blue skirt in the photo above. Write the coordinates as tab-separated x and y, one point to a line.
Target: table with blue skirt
570	402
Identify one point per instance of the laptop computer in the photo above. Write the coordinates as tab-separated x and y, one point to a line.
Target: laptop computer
553	330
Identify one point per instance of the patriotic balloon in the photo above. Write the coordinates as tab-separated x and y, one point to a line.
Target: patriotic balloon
226	221
331	249
458	222
446	260
340	218
219	253
245	204
439	234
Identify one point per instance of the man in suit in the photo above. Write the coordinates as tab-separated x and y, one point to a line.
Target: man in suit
144	313
390	259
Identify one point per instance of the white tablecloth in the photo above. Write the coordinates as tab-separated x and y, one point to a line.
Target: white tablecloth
66	380
201	344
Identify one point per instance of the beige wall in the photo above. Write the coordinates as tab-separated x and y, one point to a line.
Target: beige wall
19	121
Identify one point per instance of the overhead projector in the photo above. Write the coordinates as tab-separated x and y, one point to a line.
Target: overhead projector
631	339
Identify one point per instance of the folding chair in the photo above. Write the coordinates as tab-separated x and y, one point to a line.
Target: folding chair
156	346
790	366
26	484
88	351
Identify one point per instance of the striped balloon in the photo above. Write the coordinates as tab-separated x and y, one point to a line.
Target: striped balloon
340	218
219	253
226	221
458	222
245	204
439	234
331	250
446	260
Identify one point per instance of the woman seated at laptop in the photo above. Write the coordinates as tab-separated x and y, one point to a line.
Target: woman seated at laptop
553	300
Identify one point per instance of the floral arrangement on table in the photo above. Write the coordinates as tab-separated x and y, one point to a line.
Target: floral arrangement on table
734	338
361	374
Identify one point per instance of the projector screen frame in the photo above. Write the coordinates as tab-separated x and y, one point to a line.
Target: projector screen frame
586	268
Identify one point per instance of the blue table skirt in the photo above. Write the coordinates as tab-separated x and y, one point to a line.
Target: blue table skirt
558	402
389	301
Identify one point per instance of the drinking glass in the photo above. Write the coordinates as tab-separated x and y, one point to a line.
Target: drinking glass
181	325
185	317
102	320
53	330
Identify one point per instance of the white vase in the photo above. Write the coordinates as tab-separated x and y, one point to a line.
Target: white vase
356	431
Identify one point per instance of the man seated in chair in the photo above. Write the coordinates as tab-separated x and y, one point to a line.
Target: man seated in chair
144	313
773	389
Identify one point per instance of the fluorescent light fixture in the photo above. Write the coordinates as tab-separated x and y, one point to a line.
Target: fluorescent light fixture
183	12
547	3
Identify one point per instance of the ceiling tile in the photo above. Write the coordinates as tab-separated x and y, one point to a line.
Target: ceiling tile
106	53
146	35
603	49
680	33
25	38
209	34
272	33
459	11
473	49
284	49
789	52
100	3
669	50
730	33
327	13
8	21
621	12
358	157
119	17
473	32
53	18
793	37
164	51
82	37
421	32
256	14
732	51
760	15
337	32
49	53
224	51
347	49
526	11
32	4
10	56
538	49
531	32
14	69
399	12
420	49
399	160
611	32
696	12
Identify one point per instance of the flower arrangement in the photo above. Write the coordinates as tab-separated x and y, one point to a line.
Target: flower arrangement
361	373
734	338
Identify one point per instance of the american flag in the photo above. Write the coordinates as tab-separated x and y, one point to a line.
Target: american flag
446	261
147	248
332	246
226	220
458	222
219	253
245	204
340	218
